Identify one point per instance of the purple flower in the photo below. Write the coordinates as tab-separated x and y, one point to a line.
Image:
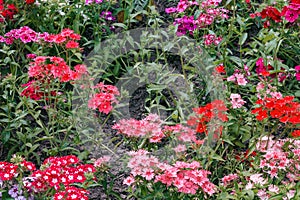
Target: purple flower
13	192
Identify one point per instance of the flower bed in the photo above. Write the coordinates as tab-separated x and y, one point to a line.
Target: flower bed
110	100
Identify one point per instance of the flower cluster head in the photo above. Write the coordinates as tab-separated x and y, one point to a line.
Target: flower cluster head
267	90
17	194
149	127
237	101
66	38
220	69
296	133
107	15
181	6
183	134
186	177
297	68
8	171
51	67
185	25
209	118
58	171
283	109
46	69
238	78
209	12
209	15
211	39
101	161
291	12
7	12
104	97
280	160
229	178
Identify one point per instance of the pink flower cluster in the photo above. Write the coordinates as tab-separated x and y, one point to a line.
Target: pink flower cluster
186	177
227	179
267	90
276	158
101	161
182	133
25	34
237	101
238	78
149	127
209	13
104	97
181	6
211	39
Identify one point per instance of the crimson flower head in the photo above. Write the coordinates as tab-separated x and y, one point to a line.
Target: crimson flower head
220	69
29	1
272	13
296	133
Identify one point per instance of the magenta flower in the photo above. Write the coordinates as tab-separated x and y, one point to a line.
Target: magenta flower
297	68
181	7
291	15
170	10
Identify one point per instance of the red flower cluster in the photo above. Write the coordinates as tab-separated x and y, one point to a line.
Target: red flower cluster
61	171
45	69
283	109
104	98
56	173
270	13
71	193
9	11
29	1
214	111
220	69
7	171
51	67
296	133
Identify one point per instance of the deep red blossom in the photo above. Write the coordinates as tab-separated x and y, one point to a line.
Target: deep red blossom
29	1
7	171
296	134
220	69
271	13
283	109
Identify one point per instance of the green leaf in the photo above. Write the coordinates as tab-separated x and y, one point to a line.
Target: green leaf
243	38
217	157
120	25
139	5
5	136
